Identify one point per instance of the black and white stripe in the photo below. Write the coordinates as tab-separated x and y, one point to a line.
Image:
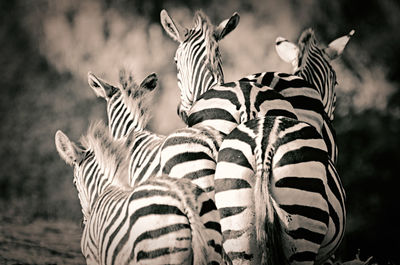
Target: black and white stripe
158	221
225	106
127	104
188	153
306	101
279	195
313	64
197	58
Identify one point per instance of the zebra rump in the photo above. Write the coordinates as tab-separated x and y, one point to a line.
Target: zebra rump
157	222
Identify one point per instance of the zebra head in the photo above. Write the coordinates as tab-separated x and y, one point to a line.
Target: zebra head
313	63
100	161
197	58
127	104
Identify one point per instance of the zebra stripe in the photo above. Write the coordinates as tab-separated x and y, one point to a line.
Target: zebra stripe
197	58
274	172
312	63
151	154
127	105
306	101
223	107
316	69
189	153
159	221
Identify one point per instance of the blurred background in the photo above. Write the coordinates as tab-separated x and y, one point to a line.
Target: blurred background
48	47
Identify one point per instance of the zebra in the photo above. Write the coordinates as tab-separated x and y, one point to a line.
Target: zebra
223	107
199	77
158	221
312	63
278	168
128	114
198	58
205	99
188	153
120	108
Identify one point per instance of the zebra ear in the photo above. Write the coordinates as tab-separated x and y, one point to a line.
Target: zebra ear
150	82
169	26
287	51
226	26
100	87
336	47
67	150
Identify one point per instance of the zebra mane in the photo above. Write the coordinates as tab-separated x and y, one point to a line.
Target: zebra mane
213	55
307	38
135	97
110	153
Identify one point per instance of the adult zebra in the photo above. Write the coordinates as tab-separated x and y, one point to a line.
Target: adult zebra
158	221
198	58
312	64
274	173
213	102
220	107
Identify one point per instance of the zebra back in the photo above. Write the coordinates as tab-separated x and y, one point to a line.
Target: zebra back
160	220
225	106
306	101
197	58
127	104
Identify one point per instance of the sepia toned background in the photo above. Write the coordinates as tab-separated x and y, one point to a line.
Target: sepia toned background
48	47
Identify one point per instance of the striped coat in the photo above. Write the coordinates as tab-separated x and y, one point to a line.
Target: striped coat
160	221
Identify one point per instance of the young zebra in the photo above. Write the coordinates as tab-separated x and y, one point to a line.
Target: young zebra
124	114
157	222
128	114
220	107
312	64
188	153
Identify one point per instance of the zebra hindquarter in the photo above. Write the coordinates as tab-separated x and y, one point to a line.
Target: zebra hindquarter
271	179
234	179
299	188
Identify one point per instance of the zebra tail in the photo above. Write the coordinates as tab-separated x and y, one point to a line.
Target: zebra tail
199	242
199	231
267	224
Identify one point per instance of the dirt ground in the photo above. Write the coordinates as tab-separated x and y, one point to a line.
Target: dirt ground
41	242
50	243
